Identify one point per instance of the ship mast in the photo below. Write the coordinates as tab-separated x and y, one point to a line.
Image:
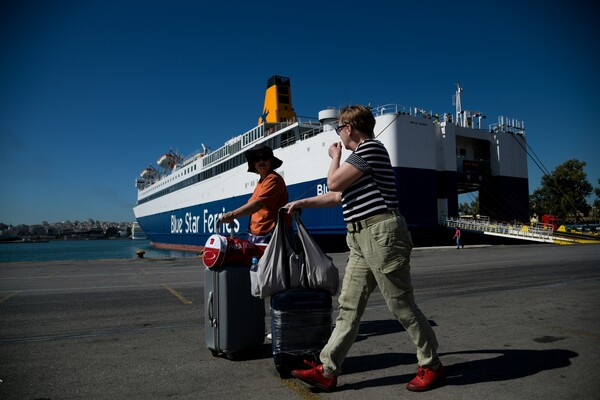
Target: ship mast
458	105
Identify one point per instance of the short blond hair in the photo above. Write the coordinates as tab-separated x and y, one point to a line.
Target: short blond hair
359	117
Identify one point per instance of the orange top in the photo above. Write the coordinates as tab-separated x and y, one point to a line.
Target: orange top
270	190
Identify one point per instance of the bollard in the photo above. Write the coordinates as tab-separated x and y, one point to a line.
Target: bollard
140	253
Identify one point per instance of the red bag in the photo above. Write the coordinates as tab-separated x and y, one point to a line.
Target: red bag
220	251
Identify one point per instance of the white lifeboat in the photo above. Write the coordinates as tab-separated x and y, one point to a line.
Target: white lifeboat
166	160
148	173
169	160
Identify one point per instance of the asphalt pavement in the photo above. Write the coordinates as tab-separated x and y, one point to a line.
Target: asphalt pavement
513	322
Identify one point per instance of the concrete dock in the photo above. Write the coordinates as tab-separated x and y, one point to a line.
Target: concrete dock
513	322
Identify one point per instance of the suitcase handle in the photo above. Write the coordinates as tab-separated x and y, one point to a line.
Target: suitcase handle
209	310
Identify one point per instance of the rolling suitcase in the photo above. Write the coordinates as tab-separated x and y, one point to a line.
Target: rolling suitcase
301	322
234	319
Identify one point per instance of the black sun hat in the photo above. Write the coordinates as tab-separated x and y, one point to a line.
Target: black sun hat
263	149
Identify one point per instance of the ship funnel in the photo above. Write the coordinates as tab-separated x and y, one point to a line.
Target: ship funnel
329	118
278	101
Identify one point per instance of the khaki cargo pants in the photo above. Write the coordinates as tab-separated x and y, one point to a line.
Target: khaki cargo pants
380	249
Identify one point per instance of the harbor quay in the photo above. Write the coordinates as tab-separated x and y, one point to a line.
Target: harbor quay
513	322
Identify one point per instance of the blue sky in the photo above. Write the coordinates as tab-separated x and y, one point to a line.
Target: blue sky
92	92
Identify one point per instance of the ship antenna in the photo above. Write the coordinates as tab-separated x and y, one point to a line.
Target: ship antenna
458	103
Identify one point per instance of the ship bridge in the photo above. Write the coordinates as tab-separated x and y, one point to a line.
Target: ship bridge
487	159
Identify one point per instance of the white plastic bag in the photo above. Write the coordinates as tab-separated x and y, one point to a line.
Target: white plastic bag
279	267
285	265
318	272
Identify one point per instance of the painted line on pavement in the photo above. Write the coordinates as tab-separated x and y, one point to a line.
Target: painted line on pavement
9	296
177	294
300	389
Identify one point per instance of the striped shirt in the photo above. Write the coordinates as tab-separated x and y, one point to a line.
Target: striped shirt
375	191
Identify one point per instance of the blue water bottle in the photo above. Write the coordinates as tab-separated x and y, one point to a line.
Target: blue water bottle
254	266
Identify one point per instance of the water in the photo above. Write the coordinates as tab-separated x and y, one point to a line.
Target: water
57	250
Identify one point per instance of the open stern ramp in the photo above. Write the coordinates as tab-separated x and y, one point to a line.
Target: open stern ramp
536	232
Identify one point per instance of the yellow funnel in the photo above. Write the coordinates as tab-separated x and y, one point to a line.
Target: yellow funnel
278	101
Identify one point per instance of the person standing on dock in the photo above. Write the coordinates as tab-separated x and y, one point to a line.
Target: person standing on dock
459	242
268	197
380	246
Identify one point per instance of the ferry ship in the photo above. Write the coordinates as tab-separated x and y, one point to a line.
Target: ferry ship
435	158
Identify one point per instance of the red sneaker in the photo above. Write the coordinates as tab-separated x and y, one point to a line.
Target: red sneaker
315	377
427	379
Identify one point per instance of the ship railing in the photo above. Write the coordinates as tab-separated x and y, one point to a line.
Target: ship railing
400	109
194	156
537	231
508	125
235	145
390	109
308	121
306	134
301	121
247	139
306	129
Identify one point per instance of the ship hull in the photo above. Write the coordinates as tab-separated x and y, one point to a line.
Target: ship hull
188	228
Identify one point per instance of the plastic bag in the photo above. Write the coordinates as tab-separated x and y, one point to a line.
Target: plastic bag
318	272
279	267
285	265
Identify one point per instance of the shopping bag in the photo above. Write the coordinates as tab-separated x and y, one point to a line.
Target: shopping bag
286	264
280	266
319	271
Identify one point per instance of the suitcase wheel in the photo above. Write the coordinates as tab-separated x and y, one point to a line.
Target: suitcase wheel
284	373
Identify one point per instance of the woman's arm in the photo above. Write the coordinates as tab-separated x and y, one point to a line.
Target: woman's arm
340	175
247	209
329	199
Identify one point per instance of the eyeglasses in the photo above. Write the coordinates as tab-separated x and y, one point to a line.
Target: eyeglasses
259	157
339	128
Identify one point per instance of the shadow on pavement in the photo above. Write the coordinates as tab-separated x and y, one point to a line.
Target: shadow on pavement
506	365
